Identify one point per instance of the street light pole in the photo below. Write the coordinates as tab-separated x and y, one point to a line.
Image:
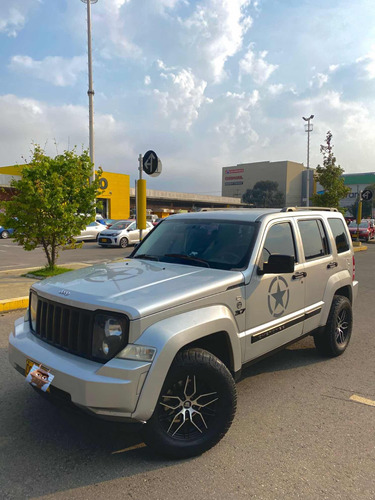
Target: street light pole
90	91
308	129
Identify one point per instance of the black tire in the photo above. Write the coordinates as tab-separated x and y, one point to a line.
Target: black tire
5	234
124	242
184	429
336	336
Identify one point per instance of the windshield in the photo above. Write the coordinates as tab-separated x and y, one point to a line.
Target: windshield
120	225
210	243
361	224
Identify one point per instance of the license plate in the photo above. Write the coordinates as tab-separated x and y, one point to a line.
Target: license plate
38	375
104	240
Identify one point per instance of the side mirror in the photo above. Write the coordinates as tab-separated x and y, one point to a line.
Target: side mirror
279	264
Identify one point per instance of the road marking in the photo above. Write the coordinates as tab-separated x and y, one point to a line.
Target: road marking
135	447
364	401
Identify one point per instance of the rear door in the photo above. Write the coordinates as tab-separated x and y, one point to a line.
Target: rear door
319	265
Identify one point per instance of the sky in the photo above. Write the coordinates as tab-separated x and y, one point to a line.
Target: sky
206	84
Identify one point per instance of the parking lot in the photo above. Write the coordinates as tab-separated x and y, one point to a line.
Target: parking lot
13	256
304	428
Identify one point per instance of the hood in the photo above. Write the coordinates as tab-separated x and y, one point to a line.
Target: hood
137	287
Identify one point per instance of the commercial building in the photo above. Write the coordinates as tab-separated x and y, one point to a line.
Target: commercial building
357	183
114	197
290	176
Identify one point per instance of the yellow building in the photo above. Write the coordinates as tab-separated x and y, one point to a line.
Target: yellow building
115	191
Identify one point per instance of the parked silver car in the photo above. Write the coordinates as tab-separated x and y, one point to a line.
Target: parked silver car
122	234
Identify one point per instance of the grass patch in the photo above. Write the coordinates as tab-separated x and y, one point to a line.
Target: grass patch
46	272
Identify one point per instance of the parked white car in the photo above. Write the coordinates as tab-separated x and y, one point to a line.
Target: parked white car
91	232
123	233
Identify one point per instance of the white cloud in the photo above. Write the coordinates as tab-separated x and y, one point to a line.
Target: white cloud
14	15
25	121
368	63
256	66
276	88
217	28
319	80
147	80
59	71
181	101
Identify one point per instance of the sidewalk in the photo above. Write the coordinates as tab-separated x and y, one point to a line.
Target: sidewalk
14	288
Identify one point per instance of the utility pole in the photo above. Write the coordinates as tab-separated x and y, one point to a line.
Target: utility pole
308	129
90	91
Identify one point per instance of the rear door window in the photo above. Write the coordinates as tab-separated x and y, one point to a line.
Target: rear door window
313	237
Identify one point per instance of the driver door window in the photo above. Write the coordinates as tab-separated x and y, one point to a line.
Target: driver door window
279	240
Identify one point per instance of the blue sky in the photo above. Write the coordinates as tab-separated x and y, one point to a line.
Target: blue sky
206	84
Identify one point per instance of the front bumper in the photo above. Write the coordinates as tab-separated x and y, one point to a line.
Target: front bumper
109	240
111	390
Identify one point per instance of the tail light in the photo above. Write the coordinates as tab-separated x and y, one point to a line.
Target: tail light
353	275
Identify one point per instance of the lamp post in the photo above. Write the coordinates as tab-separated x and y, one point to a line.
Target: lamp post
90	91
308	129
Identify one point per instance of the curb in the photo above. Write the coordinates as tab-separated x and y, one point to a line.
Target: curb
360	249
13	304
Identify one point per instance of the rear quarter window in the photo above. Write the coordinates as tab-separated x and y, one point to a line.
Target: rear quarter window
339	235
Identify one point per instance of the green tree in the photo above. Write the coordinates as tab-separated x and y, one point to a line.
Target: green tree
53	201
264	194
330	178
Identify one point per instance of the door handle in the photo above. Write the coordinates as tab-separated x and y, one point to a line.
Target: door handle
299	275
332	264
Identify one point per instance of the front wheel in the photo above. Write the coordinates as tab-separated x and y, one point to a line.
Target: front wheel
5	234
336	336
124	242
195	408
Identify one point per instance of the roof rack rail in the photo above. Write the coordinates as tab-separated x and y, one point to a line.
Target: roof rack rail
297	209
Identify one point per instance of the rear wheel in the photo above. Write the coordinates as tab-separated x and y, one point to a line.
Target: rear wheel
336	336
5	234
124	242
195	408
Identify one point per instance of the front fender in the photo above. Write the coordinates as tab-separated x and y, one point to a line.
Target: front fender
172	334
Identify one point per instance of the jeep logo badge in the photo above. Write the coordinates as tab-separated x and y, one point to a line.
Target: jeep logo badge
64	292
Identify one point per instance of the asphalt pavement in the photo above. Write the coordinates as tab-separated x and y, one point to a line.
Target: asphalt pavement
304	429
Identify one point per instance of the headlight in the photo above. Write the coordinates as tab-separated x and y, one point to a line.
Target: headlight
33	307
110	335
138	352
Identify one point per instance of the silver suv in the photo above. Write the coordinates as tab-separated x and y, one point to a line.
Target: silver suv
161	337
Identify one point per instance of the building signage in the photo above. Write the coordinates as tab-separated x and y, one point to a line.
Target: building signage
236	183
103	183
234	171
233	178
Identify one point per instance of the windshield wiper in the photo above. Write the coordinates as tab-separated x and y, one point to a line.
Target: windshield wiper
146	257
187	257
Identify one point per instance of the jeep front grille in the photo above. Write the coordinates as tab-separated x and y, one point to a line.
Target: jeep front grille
65	327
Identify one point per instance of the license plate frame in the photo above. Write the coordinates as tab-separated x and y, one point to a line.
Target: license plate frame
29	365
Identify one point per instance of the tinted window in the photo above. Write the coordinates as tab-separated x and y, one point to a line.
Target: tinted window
279	240
339	233
313	242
